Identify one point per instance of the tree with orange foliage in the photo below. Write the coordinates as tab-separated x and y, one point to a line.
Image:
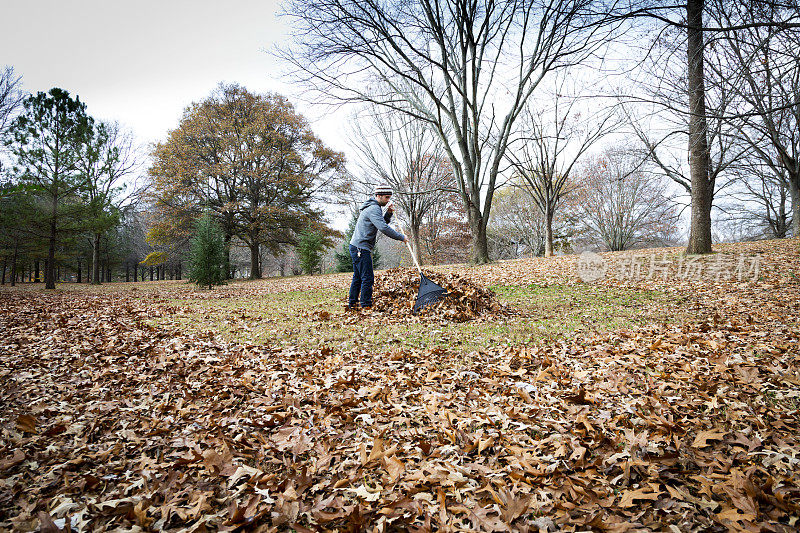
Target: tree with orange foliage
254	161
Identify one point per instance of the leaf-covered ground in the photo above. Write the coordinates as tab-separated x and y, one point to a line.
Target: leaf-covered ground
646	401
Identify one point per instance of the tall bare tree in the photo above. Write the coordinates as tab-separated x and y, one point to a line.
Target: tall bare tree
549	144
661	120
11	97
763	70
465	67
405	153
760	203
691	17
518	227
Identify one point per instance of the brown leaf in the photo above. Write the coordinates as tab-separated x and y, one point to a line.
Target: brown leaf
27	423
394	466
513	506
702	438
15	459
630	497
46	524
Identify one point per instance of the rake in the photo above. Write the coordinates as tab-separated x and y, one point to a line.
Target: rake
429	292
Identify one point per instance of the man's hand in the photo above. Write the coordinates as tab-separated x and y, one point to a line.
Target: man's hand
390	208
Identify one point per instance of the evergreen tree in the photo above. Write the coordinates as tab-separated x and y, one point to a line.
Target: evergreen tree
207	266
46	141
344	263
309	250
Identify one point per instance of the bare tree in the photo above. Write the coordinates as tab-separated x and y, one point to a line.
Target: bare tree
405	153
690	17
466	68
624	206
11	97
764	72
549	145
663	123
517	227
108	156
760	205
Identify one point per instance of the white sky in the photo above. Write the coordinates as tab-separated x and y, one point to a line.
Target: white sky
142	62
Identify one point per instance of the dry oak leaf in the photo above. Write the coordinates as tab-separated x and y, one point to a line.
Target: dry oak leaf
734	515
293	438
645	493
394	466
17	458
27	423
363	492
702	438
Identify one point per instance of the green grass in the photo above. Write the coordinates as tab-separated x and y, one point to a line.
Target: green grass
297	319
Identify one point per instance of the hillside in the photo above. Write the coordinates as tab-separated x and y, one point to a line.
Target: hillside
664	393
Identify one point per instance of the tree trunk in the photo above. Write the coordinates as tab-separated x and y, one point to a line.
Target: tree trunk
3	279
180	272
80	272
14	266
151	273
50	266
480	243
794	192
548	233
96	259
699	159
127	272
36	270
415	242
255	266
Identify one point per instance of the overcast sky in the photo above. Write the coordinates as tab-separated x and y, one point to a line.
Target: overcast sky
141	63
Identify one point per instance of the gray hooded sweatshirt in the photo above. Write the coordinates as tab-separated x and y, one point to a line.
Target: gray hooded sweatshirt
370	220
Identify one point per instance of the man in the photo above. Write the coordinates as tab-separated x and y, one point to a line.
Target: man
370	221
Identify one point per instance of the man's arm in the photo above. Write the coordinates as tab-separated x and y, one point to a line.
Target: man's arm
376	217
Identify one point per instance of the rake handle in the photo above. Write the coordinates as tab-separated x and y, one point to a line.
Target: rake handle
414	257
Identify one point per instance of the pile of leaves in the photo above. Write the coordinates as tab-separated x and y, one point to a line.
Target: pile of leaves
395	293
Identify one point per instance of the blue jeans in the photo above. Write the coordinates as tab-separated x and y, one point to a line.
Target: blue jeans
363	277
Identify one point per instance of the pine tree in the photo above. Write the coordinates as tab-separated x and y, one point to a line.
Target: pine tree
344	263
46	141
207	266
309	250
